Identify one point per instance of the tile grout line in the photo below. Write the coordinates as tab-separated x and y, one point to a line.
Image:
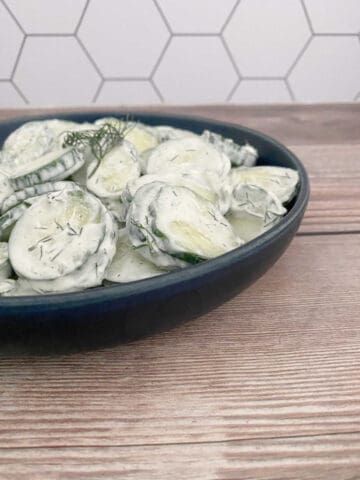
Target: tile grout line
230	55
79	23
289	89
161	56
163	16
307	15
18	57
298	57
22	95
13	16
230	16
97	91
89	57
157	91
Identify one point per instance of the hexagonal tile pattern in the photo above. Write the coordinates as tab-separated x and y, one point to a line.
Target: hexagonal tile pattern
334	16
325	72
266	36
55	70
119	92
124	38
9	97
261	91
47	16
195	70
200	16
10	42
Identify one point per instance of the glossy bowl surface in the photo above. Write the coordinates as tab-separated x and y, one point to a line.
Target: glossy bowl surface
125	312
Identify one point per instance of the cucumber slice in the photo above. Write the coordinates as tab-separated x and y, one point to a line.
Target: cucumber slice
56	235
20	288
5	267
7	286
117	208
34	191
280	181
239	154
128	265
32	141
165	133
187	155
5	188
203	185
116	169
253	211
173	226
139	135
9	219
92	272
52	166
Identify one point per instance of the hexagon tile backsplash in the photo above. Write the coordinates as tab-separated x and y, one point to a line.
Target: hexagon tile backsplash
128	52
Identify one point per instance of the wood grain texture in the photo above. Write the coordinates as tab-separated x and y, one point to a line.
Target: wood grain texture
279	360
266	387
325	457
291	124
334	173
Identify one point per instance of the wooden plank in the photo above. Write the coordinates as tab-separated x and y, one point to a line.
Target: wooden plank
334	172
291	124
331	457
280	360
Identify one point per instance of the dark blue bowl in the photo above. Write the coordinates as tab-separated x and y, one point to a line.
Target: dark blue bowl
111	314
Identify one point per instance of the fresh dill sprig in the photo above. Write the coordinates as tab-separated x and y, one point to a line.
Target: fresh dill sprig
100	140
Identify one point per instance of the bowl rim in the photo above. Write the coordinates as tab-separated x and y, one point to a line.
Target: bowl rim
180	277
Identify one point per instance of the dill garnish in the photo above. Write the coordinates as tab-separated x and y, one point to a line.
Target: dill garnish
100	140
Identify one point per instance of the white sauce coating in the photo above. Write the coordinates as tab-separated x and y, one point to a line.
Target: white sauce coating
173	226
281	182
32	141
139	135
56	235
5	267
175	191
128	265
253	211
187	155
116	169
6	188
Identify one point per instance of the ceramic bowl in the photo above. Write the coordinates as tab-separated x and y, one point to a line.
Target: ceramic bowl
124	312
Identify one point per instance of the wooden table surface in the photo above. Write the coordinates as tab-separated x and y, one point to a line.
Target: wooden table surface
265	387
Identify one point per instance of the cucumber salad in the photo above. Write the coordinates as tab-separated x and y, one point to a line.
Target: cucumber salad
84	205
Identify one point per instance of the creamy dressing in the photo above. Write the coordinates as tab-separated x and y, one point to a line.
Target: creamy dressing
175	191
6	188
5	267
139	135
281	182
56	235
116	169
187	155
174	226
165	133
253	211
239	155
128	265
92	271
30	142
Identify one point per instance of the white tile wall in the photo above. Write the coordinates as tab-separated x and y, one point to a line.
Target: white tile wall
127	52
